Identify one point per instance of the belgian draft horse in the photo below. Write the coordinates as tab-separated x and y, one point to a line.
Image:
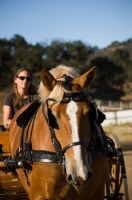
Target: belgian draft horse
57	163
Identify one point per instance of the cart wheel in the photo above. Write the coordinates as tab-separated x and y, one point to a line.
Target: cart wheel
116	186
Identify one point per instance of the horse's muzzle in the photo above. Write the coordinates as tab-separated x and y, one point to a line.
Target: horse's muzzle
78	181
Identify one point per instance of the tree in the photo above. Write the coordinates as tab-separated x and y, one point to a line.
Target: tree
109	79
6	74
119	56
72	54
122	57
15	54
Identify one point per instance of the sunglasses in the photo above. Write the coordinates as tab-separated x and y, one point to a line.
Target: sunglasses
23	78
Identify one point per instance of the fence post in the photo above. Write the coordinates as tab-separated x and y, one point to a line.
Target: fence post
116	120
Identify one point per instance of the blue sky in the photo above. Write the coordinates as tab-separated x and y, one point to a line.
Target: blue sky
94	22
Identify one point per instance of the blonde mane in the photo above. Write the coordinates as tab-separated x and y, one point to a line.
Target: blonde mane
58	91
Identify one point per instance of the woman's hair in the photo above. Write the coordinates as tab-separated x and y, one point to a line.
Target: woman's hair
15	95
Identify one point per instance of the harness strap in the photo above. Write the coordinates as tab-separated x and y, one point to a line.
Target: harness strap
97	153
75	144
55	142
44	156
25	116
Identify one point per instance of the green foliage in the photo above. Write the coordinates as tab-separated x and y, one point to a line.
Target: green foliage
6	61
113	64
72	54
109	79
122	57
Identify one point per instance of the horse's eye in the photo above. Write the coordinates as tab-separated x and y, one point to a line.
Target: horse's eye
65	99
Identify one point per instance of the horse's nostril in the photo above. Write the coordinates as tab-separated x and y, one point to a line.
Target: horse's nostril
69	178
90	175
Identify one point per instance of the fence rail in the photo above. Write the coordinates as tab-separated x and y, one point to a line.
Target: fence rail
104	105
118	117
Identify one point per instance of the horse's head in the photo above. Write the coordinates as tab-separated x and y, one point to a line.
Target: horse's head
68	110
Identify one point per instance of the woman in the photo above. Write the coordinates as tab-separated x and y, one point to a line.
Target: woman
23	92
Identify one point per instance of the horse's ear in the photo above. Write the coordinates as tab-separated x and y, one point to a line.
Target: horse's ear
48	80
86	79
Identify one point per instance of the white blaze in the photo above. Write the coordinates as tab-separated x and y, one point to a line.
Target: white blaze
72	111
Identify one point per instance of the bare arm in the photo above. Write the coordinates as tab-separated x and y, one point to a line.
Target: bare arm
7	115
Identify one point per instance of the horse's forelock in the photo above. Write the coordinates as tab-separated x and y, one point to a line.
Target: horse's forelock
62	69
58	90
57	94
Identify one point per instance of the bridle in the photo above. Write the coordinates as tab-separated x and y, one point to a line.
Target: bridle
59	150
70	96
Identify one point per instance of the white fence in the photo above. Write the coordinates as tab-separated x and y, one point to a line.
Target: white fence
118	117
105	105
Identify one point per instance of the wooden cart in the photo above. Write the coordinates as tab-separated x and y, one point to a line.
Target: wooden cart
10	186
116	186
